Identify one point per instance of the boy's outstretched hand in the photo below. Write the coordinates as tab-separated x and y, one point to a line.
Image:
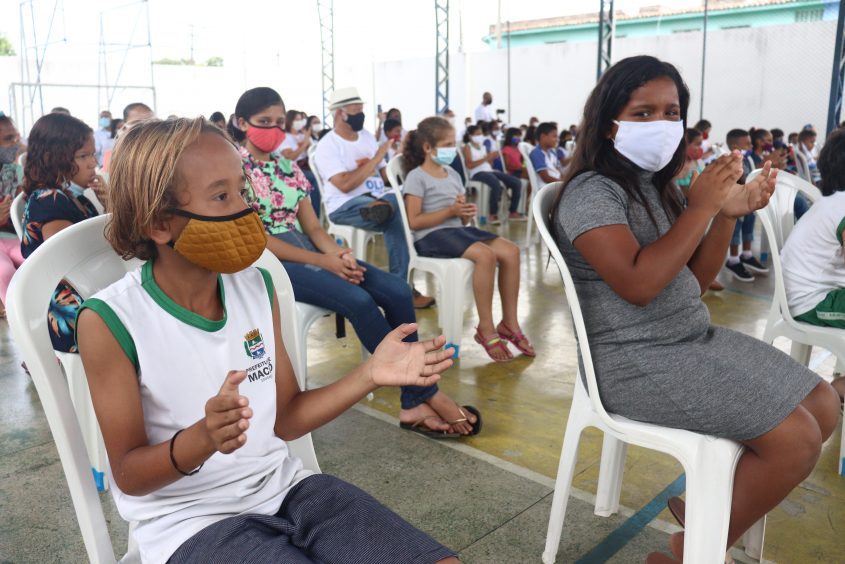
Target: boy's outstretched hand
397	363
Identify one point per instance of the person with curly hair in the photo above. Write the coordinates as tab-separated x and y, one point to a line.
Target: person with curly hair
61	162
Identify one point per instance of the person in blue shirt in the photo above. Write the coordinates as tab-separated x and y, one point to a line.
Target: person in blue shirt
544	156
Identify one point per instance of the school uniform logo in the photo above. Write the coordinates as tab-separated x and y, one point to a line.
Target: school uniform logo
254	345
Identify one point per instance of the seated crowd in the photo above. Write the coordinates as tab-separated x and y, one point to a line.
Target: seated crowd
645	226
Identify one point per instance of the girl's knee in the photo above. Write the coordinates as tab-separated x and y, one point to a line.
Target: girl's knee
824	405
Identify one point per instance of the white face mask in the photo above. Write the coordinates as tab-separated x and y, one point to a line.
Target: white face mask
477	139
648	144
317	127
298	124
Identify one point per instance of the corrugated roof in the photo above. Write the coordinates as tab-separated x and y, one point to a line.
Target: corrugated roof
645	12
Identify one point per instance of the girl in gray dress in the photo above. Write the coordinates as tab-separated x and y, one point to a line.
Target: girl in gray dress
641	259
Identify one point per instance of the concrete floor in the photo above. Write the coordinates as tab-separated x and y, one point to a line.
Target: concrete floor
487	497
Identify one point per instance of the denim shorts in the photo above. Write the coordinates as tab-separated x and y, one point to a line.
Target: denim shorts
451	242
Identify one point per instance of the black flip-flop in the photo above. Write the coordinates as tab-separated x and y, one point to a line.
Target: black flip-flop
416	427
476	427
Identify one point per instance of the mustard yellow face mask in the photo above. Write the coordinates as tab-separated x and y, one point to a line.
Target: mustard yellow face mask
225	244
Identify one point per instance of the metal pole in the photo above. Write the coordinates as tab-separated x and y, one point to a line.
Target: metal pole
510	119
703	59
606	28
834	107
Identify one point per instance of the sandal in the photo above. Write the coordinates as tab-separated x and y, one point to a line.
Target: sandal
476	427
677	507
417	427
491	344
516	337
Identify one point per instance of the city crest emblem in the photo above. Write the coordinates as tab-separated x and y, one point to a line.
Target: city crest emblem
254	344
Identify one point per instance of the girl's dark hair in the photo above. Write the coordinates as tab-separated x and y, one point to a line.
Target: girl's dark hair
430	130
703	125
757	135
692	134
392	111
471	128
217	116
510	134
530	135
595	152
831	163
564	136
53	141
485	127
290	116
114	126
250	103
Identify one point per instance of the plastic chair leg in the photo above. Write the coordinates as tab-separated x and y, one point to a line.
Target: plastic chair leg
579	417
359	245
612	468
753	539
801	352
709	492
451	309
301	369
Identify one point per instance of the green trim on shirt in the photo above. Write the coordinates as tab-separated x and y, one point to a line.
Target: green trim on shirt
184	315
268	281
115	325
839	229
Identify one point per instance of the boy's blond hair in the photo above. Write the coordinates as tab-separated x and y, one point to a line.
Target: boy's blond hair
143	180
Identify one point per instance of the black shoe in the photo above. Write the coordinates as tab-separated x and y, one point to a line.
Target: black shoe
378	213
738	271
753	265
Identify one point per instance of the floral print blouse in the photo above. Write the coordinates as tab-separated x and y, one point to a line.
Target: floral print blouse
43	206
277	188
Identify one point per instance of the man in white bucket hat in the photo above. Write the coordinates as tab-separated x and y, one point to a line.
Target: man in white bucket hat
351	165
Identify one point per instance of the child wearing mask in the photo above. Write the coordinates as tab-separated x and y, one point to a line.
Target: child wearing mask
60	163
438	215
510	152
813	269
479	167
640	261
195	429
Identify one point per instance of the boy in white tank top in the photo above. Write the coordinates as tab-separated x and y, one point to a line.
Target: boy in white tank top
192	386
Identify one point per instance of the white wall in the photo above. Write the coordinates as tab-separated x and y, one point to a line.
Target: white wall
776	76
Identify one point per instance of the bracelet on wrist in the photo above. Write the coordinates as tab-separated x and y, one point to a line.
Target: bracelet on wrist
173	458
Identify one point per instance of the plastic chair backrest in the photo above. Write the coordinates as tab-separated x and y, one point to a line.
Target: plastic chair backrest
781	206
542	207
525	150
801	164
467	178
16	214
312	163
778	220
396	175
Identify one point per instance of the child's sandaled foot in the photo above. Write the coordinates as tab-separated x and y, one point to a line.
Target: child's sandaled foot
423	419
495	347
518	339
466	420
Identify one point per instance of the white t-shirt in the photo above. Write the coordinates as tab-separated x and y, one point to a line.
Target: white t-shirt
336	155
813	262
483	113
182	360
477	154
292	141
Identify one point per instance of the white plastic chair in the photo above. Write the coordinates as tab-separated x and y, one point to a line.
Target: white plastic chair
357	239
16	214
709	462
81	254
778	219
452	275
536	184
801	164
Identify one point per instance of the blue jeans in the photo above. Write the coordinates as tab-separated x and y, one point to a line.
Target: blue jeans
358	303
744	230
801	205
394	231
315	192
494	180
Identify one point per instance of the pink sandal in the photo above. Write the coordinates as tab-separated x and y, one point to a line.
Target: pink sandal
492	343
516	337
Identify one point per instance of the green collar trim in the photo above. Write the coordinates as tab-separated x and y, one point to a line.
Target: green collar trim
184	315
